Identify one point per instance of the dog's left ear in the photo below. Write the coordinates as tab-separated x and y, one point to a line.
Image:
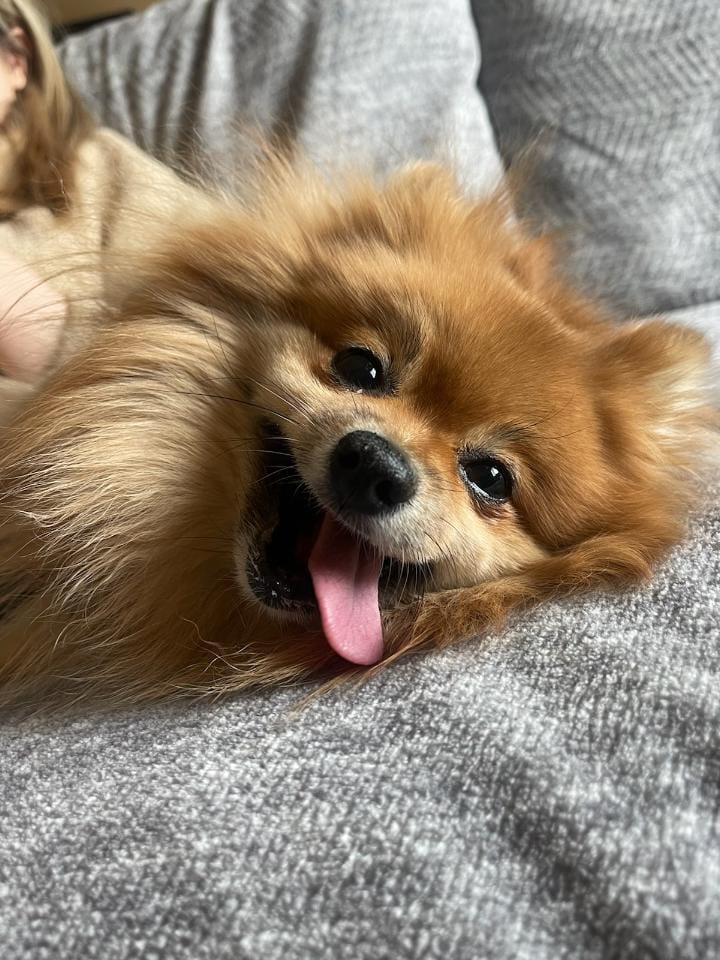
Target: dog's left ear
657	372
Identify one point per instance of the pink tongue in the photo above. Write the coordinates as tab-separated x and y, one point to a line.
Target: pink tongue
345	576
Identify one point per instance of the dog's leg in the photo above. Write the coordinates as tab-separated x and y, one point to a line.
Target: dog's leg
451	615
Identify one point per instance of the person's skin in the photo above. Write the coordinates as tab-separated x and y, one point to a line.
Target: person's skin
32	314
13	75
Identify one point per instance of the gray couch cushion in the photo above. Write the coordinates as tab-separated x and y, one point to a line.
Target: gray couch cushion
621	102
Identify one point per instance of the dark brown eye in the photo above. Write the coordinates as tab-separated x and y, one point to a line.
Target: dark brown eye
487	478
359	369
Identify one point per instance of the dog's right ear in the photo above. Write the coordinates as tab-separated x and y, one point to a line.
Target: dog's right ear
404	213
531	261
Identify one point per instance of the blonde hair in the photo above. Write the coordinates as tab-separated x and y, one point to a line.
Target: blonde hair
47	123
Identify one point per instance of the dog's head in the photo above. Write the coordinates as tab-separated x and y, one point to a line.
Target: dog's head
433	409
411	408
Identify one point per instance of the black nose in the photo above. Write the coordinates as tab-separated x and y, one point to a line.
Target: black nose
369	475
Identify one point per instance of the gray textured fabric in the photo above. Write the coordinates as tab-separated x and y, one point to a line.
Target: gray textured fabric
368	82
553	794
620	100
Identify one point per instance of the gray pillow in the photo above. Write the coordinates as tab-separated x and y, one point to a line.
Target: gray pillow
370	82
621	103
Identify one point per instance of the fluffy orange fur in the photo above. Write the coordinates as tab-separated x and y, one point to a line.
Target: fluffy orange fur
132	476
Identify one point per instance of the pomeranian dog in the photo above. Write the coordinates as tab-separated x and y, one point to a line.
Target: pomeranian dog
343	422
334	424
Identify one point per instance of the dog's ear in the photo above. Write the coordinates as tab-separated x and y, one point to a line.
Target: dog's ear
423	179
398	215
411	211
659	353
655	374
531	262
433	209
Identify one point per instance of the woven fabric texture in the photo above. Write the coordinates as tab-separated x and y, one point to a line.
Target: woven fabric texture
365	83
616	104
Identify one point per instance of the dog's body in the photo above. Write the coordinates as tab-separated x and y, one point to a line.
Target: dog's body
337	421
342	422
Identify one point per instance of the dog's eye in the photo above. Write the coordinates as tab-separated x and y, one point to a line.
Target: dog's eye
487	478
359	369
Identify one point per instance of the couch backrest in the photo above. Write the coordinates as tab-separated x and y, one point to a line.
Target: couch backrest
620	102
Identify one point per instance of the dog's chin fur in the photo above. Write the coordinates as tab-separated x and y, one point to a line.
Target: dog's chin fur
131	481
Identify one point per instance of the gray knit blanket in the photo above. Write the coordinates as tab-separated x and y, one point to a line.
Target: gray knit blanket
548	793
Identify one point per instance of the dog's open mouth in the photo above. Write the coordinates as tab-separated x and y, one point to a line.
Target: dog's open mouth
308	562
